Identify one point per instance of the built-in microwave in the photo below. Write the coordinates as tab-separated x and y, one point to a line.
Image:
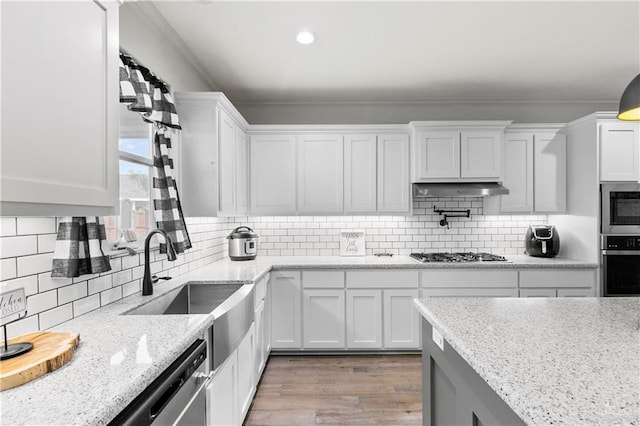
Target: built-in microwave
620	203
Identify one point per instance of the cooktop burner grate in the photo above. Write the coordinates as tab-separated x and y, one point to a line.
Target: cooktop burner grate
457	257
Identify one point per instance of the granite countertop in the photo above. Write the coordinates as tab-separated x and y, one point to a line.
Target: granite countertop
121	355
572	361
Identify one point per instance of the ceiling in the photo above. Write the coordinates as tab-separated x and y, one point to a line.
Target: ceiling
392	51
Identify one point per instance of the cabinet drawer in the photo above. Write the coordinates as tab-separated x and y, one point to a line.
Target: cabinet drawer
323	279
558	278
470	292
537	292
576	292
470	278
382	279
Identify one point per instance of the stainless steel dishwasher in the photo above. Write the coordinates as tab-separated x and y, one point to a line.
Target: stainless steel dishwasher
176	397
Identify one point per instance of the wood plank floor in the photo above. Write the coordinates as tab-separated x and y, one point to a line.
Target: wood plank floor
339	390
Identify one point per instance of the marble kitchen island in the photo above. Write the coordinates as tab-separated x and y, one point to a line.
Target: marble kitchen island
571	361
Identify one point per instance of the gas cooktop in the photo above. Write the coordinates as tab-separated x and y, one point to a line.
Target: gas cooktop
457	257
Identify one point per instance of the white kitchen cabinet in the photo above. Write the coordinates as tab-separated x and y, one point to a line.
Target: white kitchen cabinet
534	171
320	173
469	283
480	154
518	173
458	150
261	326
246	382
360	173
272	174
222	394
438	154
364	319
213	152
537	292
286	310
393	174
60	109
550	172
619	151
401	320
558	282
324	319
470	292
576	292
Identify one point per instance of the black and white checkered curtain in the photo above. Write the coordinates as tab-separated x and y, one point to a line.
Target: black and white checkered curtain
148	95
77	249
166	203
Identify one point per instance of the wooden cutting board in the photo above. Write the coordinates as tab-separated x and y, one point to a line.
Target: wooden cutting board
50	351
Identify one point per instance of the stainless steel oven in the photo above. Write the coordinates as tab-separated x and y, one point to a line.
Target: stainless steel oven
620	203
620	265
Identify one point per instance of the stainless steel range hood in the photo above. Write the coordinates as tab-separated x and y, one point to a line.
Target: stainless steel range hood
462	189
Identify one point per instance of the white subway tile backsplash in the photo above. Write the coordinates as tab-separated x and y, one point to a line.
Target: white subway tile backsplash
110	296
7	226
30	285
46	243
72	292
29	265
133	287
122	277
97	285
27	325
87	304
56	316
18	246
36	225
42	302
47	282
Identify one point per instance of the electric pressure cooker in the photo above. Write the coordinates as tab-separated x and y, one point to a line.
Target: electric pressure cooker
542	241
243	243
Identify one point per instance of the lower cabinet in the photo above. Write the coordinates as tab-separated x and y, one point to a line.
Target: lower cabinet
222	394
246	383
364	319
323	322
558	283
401	324
286	310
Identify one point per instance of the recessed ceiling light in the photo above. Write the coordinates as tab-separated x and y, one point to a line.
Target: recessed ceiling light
305	37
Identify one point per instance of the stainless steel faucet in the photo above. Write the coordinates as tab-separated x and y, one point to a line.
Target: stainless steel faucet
147	280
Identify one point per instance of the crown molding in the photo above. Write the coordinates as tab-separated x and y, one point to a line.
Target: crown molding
432	101
148	11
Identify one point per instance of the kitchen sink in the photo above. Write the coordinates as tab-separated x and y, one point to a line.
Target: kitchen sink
192	298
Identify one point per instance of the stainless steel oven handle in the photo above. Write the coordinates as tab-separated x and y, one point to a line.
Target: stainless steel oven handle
621	252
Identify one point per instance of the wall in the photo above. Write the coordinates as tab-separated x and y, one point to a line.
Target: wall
156	47
319	235
404	112
26	252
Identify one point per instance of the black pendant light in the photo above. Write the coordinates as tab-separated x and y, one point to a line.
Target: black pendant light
630	101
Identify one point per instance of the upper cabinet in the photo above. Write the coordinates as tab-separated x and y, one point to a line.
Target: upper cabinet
214	155
619	150
534	171
301	170
59	108
320	173
456	150
273	174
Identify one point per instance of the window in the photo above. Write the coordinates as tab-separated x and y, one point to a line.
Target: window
136	160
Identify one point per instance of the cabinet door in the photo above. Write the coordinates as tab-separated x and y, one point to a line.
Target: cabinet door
320	174
393	174
273	174
550	172
323	319
260	344
619	146
364	319
401	320
360	173
537	292
480	153
518	173
286	312
222	394
59	105
227	164
576	292
438	154
246	384
470	292
241	173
